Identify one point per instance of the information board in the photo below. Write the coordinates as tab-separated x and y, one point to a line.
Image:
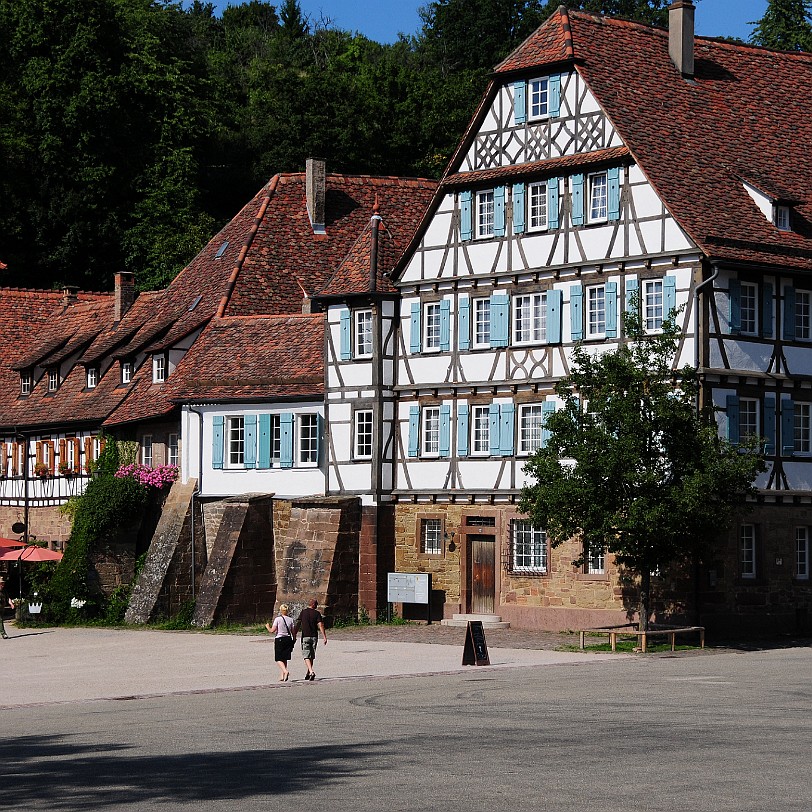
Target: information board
409	587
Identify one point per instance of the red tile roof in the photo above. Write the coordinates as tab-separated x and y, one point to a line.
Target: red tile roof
242	358
745	115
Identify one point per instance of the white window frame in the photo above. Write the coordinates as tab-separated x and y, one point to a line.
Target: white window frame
485	213
431	536
97	448
537	214
71	445
747	551
432	318
748	300
781	218
802	553
803	315
531	424
653	304
364	434
159	371
530	318
480	431
276	438
26	383
363	334
92	377
430	432
538	97
482	323
802	428
598	197
596	311
53	380
235	441
749	418
172	449
307	447
146	450
531	557
126	371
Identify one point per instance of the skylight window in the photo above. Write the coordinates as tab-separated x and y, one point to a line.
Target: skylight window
221	250
196	302
782	218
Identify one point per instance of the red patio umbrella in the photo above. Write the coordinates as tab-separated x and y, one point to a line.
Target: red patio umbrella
32	552
11	543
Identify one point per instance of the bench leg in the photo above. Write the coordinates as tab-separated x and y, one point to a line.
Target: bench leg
672	636
613	640
644	642
702	638
583	639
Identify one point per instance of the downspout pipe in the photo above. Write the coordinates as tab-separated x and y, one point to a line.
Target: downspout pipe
196	491
373	248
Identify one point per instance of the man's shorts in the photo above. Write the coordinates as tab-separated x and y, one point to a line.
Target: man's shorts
309	647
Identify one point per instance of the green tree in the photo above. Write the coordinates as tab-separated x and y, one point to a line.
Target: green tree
785	26
631	467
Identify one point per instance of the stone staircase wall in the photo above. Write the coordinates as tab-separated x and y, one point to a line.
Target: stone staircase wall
165	582
239	584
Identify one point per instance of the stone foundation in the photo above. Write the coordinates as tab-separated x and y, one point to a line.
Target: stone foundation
45	524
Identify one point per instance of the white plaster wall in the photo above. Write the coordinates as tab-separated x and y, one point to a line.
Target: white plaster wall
748	355
799	474
799	360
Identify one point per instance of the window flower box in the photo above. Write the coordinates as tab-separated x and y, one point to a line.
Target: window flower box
41	470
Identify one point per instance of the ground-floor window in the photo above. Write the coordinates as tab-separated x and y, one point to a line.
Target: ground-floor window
802	553
431	536
747	550
528	547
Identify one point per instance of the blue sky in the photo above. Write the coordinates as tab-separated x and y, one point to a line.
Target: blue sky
383	20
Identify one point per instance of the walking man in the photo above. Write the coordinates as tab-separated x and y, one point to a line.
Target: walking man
311	623
4	602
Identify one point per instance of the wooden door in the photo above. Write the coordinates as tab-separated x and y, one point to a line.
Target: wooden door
483	574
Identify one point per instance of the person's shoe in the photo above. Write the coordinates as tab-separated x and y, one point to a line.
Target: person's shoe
312	675
5	637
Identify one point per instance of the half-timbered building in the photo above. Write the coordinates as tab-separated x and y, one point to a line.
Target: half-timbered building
609	163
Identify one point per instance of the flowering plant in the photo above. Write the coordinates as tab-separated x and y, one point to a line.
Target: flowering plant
65	469
41	470
156	477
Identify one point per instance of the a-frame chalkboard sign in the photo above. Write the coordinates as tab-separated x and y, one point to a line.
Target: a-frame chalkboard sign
476	649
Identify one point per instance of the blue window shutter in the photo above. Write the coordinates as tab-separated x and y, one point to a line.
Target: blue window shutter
500	320
769	424
734	318
250	455
611	309
576	312
767	310
464	323
547	408
286	437
577	200
632	286
414	430
787	427
519	102
493	424
507	415
733	418
217	438
553	316
518	208
414	337
669	296
346	335
552	203
462	429
466	220
613	192
264	441
499	211
789	313
554	87
445	325
445	430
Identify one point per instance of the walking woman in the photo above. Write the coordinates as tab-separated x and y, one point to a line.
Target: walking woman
285	630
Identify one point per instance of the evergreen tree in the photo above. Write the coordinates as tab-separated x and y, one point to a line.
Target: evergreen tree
785	26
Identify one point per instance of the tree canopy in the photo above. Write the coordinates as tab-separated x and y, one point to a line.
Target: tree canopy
631	467
785	26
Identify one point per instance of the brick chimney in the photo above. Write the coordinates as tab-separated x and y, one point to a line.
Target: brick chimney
681	36
316	188
125	294
70	295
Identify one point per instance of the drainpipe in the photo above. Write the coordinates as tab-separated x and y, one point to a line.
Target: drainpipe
197	489
373	248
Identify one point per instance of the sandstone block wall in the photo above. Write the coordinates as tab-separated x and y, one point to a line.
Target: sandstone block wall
44	523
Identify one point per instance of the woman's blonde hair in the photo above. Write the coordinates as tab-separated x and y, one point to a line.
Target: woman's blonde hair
283	607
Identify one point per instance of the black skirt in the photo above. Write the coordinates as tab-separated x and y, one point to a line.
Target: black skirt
283	648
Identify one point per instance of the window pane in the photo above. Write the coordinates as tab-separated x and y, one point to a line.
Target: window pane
236	441
747	547
598	197
529	547
432	336
431	536
802	552
539	98
653	304
172	449
802	301
276	438
363	434
748	419
481	427
146	450
482	321
308	438
531	421
484	216
802	428
596	562
363	333
431	430
749	314
596	302
538	206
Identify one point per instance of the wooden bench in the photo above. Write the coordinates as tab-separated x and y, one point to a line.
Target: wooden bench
631	631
